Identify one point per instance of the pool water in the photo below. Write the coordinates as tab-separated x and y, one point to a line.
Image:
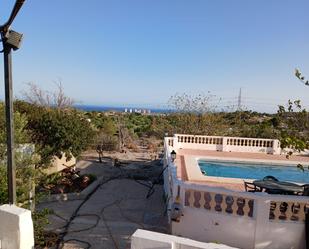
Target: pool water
253	171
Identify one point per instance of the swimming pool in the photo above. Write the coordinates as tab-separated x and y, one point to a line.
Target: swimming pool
253	171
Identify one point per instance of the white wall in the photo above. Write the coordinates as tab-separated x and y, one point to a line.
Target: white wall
16	228
247	232
143	239
214	227
242	232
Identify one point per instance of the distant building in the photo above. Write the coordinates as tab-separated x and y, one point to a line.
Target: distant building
136	110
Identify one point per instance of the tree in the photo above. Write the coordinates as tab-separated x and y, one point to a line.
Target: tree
293	126
123	134
195	114
106	140
55	127
108	127
37	96
60	131
294	123
187	103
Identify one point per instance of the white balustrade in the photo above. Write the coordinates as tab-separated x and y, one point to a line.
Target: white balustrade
229	144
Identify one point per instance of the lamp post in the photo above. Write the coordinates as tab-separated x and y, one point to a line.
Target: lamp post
173	155
10	40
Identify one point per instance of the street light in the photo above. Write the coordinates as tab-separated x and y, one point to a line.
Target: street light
13	39
173	155
10	40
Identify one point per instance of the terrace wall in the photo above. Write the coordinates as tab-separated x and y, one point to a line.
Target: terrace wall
239	219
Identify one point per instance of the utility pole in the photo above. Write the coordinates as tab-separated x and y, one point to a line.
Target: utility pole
10	40
239	100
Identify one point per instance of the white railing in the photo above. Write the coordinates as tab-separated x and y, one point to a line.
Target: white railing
217	201
279	207
229	144
241	219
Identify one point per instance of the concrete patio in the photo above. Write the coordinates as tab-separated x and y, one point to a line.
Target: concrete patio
113	212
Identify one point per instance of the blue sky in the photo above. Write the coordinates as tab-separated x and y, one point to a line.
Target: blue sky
141	52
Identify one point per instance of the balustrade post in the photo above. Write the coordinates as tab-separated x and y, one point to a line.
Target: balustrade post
261	215
175	142
276	147
225	146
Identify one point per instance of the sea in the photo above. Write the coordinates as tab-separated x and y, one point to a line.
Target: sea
102	108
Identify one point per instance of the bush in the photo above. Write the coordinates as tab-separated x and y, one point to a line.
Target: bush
108	142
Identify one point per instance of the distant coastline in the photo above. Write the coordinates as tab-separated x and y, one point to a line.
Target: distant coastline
103	108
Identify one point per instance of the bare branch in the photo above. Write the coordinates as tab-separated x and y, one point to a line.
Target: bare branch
200	103
38	96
